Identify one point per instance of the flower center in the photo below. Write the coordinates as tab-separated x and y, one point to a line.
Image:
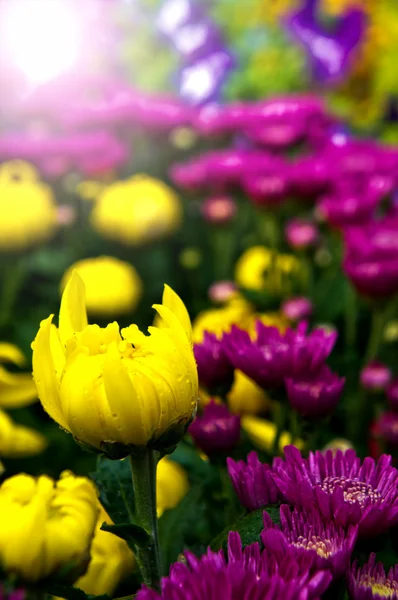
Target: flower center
385	589
354	490
321	546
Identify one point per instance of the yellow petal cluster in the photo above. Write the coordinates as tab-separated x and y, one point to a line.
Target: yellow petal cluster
16	389
104	385
220	320
246	397
261	269
46	526
17	440
112	286
27	207
171	485
111	561
136	211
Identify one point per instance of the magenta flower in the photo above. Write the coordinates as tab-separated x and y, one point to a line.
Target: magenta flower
347	209
343	488
249	574
296	309
272	356
214	367
370	582
388	427
252	482
375	376
392	394
216	430
301	234
315	396
310	176
304	531
219	210
266	189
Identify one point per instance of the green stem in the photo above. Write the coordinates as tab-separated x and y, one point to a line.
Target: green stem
268	227
279	418
350	316
143	469
376	333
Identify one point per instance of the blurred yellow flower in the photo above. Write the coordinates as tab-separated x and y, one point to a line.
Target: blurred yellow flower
261	269
106	386
171	485
137	211
246	397
46	526
17	440
27	207
111	561
112	286
219	320
16	389
262	433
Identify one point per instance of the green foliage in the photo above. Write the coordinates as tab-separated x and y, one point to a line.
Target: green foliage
249	528
113	479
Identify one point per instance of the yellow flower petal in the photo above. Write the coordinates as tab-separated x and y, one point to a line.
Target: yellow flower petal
16	389
11	353
262	433
171	485
72	315
18	441
173	302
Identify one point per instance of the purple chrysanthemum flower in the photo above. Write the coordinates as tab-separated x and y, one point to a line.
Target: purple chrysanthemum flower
315	395
252	481
272	356
266	188
297	309
330	546
249	574
343	488
310	176
214	367
301	234
392	395
375	376
341	209
370	582
216	430
388	427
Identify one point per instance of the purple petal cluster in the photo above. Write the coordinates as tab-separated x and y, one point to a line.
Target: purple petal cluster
306	532
214	367
248	574
315	395
375	376
388	427
392	395
342	487
272	356
370	582
216	430
253	483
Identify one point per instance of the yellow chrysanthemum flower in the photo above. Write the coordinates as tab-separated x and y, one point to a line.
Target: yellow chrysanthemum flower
220	320
137	211
16	389
17	440
27	207
111	561
106	386
171	485
246	397
46	526
262	433
113	286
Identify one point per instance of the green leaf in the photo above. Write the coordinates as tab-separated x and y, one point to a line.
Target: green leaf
329	295
113	479
71	593
249	528
133	534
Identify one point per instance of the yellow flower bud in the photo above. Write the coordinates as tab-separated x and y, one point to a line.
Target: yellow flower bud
16	389
111	561
171	485
109	386
112	286
261	269
246	397
262	433
17	440
46	527
27	207
137	211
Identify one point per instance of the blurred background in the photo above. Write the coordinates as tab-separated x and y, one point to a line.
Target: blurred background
105	107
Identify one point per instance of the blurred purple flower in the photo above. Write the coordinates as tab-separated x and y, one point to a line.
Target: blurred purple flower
301	234
329	52
249	574
310	176
388	426
305	531
315	396
297	309
341	487
272	356
370	581
219	209
392	394
252	481
266	189
375	376
216	430
214	367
